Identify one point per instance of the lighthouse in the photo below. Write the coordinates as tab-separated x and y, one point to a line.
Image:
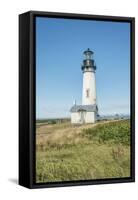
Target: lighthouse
89	84
88	111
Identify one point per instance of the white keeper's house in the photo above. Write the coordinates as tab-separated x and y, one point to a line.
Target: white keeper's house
88	111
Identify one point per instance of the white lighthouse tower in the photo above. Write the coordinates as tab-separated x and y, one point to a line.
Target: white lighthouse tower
89	83
88	111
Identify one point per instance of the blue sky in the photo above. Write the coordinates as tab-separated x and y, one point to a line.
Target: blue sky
59	53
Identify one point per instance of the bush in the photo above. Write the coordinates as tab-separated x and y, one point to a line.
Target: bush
116	132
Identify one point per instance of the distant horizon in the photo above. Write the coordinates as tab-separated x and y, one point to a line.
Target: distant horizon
70	117
59	54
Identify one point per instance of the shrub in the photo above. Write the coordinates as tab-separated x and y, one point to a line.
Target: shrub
116	132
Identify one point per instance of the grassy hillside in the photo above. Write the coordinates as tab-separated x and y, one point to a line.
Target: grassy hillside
91	151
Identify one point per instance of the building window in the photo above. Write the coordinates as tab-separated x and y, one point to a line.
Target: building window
87	93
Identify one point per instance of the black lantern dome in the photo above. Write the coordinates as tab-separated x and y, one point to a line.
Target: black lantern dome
88	62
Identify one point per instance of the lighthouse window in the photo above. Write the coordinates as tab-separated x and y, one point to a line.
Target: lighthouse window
87	93
88	56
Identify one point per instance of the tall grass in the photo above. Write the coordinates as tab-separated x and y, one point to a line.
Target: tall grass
92	153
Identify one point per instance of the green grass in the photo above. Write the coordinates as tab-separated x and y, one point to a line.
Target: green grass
93	153
116	132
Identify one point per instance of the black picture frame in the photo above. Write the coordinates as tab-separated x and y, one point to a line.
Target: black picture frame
27	98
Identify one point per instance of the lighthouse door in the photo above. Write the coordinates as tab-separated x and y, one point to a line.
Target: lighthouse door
82	116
